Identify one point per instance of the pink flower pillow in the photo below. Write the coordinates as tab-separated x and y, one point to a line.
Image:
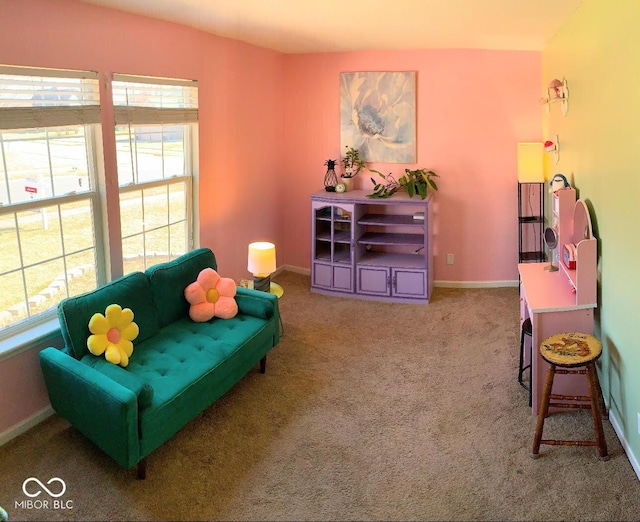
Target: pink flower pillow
211	296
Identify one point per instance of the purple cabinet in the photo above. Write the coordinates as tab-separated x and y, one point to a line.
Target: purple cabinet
409	283
321	275
392	282
374	281
371	248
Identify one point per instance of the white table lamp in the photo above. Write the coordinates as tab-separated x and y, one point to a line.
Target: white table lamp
262	263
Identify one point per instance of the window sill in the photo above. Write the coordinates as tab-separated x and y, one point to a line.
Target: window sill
23	341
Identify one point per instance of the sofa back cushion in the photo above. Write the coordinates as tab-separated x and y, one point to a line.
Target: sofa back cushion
130	291
168	281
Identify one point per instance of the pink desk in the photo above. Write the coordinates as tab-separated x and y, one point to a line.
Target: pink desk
548	298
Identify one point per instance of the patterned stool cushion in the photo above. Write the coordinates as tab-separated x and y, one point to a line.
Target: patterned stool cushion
570	349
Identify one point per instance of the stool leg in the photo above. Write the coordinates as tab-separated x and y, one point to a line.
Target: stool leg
543	410
595	411
603	407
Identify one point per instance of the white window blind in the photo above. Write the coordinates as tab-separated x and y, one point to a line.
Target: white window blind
37	98
143	100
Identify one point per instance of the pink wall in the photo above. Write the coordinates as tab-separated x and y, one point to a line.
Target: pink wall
241	97
22	388
473	107
241	94
268	122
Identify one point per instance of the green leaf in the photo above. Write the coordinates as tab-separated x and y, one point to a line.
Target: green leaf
422	190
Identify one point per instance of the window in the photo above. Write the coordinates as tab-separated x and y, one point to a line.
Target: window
49	231
156	126
53	186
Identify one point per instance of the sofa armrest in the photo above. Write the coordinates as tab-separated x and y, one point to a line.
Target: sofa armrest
143	390
255	303
260	304
103	410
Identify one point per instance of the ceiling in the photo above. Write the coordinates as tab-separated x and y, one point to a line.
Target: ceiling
313	26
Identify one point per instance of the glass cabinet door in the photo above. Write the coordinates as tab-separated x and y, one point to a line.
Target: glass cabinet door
323	229
342	239
332	256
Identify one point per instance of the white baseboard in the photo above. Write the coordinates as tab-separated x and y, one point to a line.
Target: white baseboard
625	445
296	269
25	425
441	284
475	284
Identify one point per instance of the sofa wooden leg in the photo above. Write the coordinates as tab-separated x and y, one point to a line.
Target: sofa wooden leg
263	364
142	469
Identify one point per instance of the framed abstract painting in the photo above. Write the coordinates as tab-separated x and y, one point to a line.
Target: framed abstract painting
378	115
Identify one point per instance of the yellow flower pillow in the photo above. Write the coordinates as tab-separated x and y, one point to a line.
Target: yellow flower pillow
113	334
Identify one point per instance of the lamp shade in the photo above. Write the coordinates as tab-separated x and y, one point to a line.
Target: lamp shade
262	258
530	162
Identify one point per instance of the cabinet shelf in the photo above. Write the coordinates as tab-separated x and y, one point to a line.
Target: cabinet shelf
388	238
390	220
342	237
387	259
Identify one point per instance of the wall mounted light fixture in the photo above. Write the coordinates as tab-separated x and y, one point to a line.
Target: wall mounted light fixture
553	146
557	91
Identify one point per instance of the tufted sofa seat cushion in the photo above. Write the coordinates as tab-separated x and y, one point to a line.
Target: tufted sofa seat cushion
187	370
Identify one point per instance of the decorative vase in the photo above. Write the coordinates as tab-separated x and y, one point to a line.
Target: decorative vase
348	183
330	178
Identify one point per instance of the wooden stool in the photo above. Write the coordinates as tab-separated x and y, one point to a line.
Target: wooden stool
569	351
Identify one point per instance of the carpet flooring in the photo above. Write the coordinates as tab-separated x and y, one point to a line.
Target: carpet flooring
368	411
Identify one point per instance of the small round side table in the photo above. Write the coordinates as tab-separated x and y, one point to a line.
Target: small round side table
274	288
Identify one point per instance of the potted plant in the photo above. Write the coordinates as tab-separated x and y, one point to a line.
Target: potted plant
417	181
351	165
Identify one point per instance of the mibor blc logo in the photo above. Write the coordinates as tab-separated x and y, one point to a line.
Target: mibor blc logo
37	491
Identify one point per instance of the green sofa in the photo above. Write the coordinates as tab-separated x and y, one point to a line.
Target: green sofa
178	367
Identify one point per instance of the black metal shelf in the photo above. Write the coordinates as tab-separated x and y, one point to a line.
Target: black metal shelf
531	222
531	219
527	257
